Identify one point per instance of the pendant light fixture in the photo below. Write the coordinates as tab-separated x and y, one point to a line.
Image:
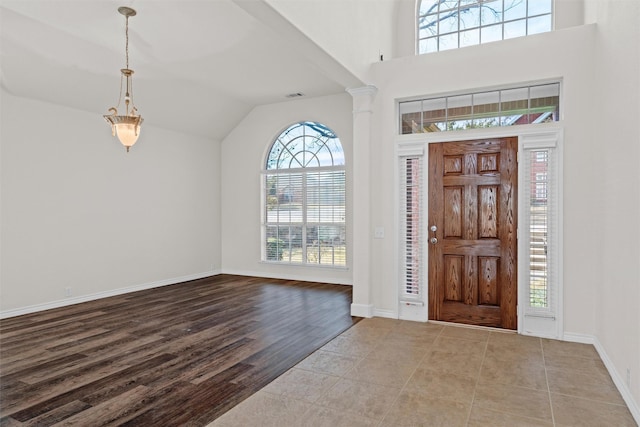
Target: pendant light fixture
126	126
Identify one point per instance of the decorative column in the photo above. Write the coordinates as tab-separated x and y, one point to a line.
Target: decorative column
362	305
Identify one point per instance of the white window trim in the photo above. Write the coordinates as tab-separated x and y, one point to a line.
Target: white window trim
530	136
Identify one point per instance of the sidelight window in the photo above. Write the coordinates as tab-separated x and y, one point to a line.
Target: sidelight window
540	237
411	211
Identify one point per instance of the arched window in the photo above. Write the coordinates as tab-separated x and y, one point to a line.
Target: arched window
304	197
450	24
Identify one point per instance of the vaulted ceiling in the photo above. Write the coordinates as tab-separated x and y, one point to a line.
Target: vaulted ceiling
200	65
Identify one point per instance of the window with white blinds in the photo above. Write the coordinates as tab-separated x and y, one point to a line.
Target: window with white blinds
540	240
412	193
304	197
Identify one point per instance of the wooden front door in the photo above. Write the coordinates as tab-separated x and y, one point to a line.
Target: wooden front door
472	232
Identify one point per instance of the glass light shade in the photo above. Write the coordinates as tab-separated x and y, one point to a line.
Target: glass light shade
126	127
128	133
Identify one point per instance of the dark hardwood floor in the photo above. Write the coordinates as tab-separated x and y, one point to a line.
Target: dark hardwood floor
172	356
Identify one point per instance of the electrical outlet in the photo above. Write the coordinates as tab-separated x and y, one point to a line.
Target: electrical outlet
378	233
67	292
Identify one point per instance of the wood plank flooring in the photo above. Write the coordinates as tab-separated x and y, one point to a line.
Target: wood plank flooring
179	355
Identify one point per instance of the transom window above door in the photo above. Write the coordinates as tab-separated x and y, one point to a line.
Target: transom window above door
304	194
451	24
482	109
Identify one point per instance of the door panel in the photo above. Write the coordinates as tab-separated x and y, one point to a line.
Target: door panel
472	251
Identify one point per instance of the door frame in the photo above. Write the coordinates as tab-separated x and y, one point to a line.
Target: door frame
544	134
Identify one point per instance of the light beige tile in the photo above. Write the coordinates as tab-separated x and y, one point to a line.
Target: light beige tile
367	334
563	348
440	389
419	329
507	338
481	417
575	411
319	416
393	350
301	384
368	400
459	346
326	362
351	345
428	383
412	410
514	400
451	362
588	386
514	347
393	373
578	365
400	338
521	373
264	409
465	333
378	322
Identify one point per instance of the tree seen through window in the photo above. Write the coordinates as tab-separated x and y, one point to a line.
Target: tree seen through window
451	24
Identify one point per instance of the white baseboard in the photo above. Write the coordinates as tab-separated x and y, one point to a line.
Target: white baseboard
633	406
362	310
288	276
91	297
579	338
389	314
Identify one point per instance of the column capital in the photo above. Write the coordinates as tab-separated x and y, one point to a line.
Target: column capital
363	98
369	90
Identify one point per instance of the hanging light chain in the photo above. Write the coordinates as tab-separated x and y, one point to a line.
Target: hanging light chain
126	34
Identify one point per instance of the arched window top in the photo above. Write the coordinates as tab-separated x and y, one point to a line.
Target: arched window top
305	145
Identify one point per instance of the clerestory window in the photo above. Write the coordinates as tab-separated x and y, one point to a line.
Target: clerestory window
304	197
451	24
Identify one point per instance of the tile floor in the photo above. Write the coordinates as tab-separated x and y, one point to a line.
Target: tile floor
385	372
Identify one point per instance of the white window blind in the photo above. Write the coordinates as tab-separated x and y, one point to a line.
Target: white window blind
411	211
540	239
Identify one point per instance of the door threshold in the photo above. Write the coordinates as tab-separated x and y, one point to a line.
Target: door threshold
464	325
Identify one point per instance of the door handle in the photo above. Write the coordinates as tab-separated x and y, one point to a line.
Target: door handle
433	229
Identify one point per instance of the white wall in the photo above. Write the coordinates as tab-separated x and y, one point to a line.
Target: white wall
244	152
79	212
616	200
357	32
354	32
